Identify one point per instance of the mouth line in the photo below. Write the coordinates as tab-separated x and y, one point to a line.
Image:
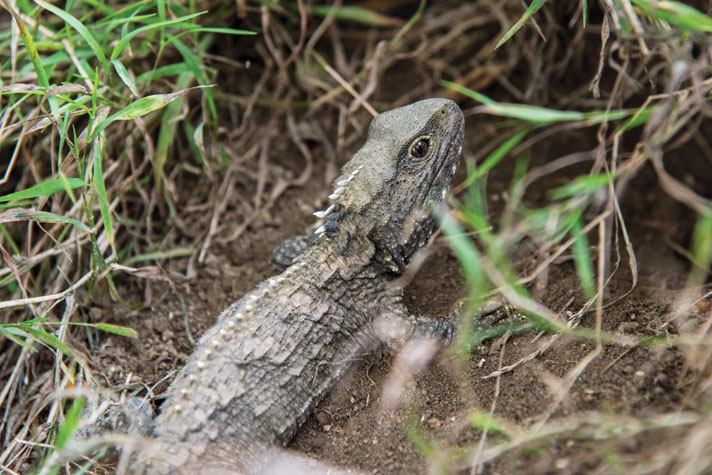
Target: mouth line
450	150
445	164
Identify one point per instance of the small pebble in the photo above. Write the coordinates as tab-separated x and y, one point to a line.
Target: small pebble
561	463
434	422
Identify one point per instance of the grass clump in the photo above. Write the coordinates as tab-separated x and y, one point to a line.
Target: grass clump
85	90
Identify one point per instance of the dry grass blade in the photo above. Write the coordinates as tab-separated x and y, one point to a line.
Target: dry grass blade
594	426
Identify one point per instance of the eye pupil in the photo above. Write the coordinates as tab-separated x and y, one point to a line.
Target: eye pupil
420	148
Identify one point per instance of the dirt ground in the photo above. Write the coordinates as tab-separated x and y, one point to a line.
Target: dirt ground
351	430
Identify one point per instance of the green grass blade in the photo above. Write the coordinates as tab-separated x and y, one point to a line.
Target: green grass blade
475	198
29	43
71	421
543	116
584	13
194	65
31	321
67	186
81	29
598	117
110	24
495	157
44	189
124	41
141	107
581	185
163	71
356	14
167	133
640	117
223	31
156	256
21	214
110	328
465	252
9	241
484	421
426	448
582	259
531	10
161	8
69	427
701	246
17	204
533	114
116	329
49	340
481	98
16	335
125	76
100	187
677	14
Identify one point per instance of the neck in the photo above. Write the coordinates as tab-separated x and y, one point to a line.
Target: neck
346	252
387	241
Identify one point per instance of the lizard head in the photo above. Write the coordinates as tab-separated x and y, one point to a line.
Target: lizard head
390	187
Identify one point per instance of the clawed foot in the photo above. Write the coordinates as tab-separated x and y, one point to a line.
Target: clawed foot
503	316
395	328
494	319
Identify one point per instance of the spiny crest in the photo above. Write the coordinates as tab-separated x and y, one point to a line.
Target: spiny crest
338	191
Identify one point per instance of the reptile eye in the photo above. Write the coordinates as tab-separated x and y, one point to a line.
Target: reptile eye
420	148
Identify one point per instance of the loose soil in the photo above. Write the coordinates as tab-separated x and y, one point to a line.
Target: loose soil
351	429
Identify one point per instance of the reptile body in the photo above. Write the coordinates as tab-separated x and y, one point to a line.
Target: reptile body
271	357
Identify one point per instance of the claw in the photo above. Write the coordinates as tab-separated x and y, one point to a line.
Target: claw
505	314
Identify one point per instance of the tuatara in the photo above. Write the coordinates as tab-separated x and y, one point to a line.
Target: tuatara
271	357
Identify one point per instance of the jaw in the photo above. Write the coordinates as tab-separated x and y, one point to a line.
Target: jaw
409	226
397	241
443	171
417	229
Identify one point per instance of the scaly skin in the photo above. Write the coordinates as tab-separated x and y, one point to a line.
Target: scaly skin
272	356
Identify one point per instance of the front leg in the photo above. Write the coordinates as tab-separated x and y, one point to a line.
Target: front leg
418	339
397	326
441	329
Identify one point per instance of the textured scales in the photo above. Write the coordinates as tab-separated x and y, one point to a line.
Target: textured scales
258	373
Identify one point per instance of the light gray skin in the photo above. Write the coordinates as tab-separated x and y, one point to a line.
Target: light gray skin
258	373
